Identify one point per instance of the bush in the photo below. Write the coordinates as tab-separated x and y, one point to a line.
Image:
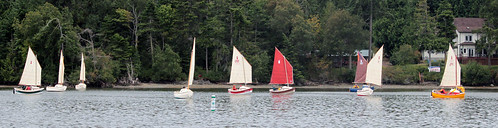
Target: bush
405	55
342	75
409	74
476	74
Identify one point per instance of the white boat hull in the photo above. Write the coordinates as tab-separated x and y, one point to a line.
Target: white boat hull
57	88
365	92
242	90
183	94
33	90
80	87
283	90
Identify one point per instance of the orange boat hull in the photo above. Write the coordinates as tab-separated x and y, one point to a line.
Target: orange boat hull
439	95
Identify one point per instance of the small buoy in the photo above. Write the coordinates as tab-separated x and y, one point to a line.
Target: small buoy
213	102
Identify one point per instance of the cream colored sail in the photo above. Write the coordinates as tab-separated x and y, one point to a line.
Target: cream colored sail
192	67
452	70
241	69
82	70
61	70
31	74
374	68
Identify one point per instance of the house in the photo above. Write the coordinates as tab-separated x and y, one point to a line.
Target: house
465	42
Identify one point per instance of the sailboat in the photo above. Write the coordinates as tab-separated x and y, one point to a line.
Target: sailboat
361	73
451	78
59	87
81	86
185	93
31	76
281	74
241	73
374	73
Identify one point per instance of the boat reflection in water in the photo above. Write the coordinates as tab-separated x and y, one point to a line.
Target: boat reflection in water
281	101
451	109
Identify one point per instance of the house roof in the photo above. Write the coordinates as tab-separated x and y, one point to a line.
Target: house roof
468	24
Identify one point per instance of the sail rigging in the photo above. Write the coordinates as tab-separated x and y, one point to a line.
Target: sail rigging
452	70
374	68
192	67
361	69
61	69
241	71
31	74
282	70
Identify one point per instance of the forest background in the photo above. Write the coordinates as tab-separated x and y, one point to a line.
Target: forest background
130	41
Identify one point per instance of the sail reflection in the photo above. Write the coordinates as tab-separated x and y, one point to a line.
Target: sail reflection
281	101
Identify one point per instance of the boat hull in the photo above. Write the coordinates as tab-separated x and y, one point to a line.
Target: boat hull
35	90
365	92
356	89
240	91
57	88
183	94
80	87
283	90
435	94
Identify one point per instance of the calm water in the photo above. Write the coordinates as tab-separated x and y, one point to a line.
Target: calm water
118	108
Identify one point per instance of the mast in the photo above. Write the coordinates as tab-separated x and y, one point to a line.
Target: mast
244	70
285	69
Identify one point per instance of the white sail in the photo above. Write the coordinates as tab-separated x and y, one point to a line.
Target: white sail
61	70
241	69
82	70
452	70
31	74
374	68
192	66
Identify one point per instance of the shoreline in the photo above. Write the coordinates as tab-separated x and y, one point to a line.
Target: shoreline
341	86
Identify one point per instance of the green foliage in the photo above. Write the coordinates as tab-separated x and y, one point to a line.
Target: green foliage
406	74
475	74
166	65
405	55
151	39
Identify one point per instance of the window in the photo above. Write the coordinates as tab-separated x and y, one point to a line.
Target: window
464	50
468	38
471	52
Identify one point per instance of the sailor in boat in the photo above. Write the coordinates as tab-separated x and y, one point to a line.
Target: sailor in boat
455	91
234	88
442	91
356	86
274	88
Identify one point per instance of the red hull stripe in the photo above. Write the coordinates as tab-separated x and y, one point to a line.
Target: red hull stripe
242	91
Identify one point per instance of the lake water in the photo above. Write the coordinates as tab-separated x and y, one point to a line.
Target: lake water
131	108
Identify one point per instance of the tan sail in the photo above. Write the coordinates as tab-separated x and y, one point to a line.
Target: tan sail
452	70
82	70
192	66
61	70
241	69
374	68
31	74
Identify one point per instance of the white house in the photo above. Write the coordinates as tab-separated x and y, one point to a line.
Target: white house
465	42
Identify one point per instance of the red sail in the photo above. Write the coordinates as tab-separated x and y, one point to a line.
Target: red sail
361	69
282	70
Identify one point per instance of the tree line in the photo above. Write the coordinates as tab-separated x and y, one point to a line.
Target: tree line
130	41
